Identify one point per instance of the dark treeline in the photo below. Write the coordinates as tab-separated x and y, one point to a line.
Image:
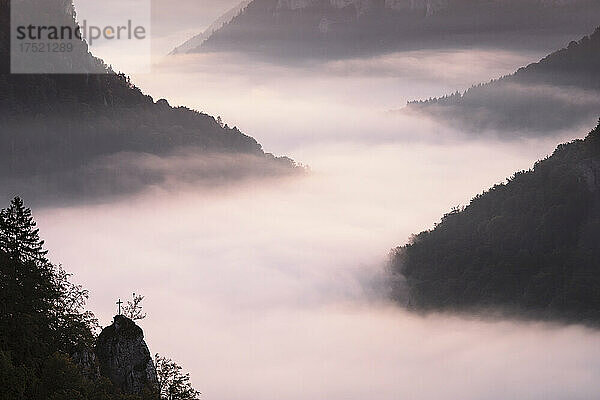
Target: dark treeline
528	247
47	337
561	91
54	125
43	323
271	28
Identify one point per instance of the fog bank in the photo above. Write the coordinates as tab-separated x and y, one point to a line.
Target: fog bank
276	289
289	107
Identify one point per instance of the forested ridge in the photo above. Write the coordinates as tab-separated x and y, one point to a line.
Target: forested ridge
53	126
560	91
328	29
528	246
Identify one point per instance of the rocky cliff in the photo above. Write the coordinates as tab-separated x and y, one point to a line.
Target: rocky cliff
85	358
124	357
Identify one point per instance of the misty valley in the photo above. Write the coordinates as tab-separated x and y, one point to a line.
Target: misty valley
328	199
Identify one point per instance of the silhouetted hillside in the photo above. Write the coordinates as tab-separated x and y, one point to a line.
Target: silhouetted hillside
348	28
59	134
529	246
49	342
561	91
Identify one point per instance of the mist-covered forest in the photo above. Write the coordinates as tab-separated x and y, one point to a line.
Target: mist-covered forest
57	130
559	92
282	30
528	246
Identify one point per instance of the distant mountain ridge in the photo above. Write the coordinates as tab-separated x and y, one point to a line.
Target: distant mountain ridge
89	135
361	6
528	247
561	91
197	40
348	28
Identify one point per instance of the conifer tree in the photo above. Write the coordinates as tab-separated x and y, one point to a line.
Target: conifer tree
19	237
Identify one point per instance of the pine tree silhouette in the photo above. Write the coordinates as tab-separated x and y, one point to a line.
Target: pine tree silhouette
19	237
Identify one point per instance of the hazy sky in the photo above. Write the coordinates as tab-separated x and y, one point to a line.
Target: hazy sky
188	14
175	22
172	22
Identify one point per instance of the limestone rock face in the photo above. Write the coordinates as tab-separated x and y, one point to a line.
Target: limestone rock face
124	357
88	362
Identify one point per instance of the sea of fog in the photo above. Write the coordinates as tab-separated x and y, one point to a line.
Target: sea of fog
276	289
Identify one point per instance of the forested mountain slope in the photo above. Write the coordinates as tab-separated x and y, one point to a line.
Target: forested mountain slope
561	91
49	343
529	246
350	28
58	132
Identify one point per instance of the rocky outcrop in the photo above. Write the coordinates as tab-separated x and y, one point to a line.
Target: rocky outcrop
124	357
87	362
590	172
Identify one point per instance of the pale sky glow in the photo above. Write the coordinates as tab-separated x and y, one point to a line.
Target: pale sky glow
171	23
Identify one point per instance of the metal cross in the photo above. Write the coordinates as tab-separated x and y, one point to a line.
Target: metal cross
119	303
